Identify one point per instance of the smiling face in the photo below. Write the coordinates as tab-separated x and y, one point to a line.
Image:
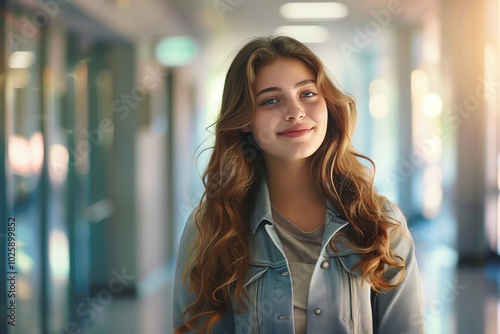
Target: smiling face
290	117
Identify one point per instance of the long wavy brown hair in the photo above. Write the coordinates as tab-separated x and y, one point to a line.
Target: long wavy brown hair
232	177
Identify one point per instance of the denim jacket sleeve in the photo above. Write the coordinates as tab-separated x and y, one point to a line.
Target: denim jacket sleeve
400	309
182	296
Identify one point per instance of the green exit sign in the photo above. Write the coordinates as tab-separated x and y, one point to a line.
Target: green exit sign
176	51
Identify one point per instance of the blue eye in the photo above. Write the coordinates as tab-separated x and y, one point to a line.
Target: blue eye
309	94
269	101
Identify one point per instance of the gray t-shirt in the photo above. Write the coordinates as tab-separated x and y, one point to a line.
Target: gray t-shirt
302	251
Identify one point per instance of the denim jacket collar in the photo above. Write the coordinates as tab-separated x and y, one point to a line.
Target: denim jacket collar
262	214
262	210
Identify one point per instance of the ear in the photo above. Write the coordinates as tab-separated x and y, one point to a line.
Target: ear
246	129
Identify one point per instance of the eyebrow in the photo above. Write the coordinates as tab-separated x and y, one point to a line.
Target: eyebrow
274	89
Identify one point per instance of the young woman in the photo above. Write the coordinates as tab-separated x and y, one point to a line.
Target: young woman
290	235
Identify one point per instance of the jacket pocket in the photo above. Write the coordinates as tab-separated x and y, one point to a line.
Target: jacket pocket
253	274
248	322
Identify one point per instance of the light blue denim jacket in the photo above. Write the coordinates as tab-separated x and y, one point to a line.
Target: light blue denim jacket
336	304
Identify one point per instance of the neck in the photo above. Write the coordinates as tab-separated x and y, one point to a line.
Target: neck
290	184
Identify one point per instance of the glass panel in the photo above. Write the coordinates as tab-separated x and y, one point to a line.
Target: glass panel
25	154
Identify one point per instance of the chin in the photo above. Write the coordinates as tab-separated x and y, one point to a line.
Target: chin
301	155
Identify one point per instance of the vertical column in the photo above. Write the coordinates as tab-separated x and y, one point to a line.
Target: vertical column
463	60
404	122
152	206
3	182
45	193
170	165
68	123
122	233
463	53
98	137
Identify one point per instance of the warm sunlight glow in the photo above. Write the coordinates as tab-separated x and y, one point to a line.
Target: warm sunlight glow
433	195
378	106
431	52
19	155
433	105
36	152
58	164
378	86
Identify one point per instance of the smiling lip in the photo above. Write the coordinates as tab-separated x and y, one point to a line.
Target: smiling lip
296	131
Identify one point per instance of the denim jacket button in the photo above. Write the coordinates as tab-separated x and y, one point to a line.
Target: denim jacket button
325	264
317	311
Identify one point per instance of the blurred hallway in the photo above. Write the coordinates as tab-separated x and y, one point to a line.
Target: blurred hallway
457	299
105	106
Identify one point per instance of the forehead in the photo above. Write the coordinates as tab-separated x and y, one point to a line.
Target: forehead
282	72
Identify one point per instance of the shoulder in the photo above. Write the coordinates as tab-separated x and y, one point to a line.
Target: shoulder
191	227
400	238
191	223
398	219
187	248
393	210
189	237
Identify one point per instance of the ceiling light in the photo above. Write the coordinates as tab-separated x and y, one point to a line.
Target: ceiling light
21	59
314	10
305	34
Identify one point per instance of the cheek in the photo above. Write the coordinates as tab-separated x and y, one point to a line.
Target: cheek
322	119
321	114
262	130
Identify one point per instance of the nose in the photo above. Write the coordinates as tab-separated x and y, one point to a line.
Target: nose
294	111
